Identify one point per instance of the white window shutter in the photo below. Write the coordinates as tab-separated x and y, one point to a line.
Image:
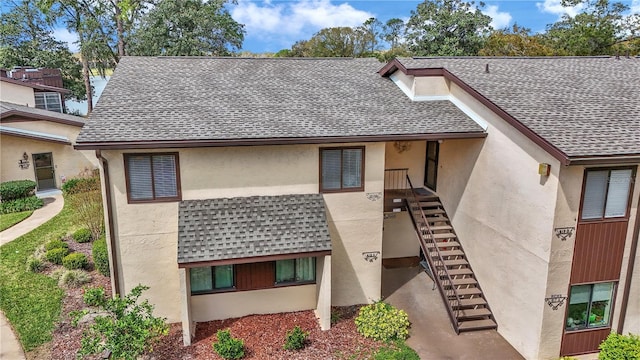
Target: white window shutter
618	194
594	194
164	176
139	171
331	169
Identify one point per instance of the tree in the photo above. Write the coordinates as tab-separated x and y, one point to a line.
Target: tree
187	27
595	31
370	33
447	28
517	42
26	39
392	32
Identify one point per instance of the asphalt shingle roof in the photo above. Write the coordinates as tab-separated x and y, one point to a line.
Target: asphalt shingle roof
7	109
582	106
242	227
181	99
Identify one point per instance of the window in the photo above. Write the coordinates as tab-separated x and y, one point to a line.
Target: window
606	193
431	165
48	101
212	278
296	270
590	306
342	169
152	177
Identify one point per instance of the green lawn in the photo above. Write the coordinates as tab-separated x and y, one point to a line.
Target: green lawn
8	220
32	302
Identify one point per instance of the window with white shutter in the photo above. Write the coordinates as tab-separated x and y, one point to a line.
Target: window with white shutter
342	169
152	177
49	101
606	193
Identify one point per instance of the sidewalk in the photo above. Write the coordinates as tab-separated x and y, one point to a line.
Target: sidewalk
10	347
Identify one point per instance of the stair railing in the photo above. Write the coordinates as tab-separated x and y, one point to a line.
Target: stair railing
450	296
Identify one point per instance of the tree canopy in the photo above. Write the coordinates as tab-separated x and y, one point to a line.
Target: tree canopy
515	42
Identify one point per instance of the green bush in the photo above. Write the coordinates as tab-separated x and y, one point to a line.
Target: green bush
381	321
101	256
18	205
620	347
82	235
75	261
81	184
17	189
95	296
56	244
398	352
55	256
69	186
227	346
73	278
34	264
295	339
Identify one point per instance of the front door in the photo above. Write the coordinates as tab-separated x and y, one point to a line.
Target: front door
43	166
431	165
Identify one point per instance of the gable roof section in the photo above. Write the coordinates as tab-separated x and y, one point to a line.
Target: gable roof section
178	102
36	86
236	230
12	113
579	109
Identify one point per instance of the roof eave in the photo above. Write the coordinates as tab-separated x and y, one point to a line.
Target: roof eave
604	160
7	115
253	259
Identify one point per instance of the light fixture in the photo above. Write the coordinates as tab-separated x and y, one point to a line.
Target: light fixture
544	169
402	146
25	157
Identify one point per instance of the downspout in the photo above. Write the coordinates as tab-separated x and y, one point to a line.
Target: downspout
112	240
632	260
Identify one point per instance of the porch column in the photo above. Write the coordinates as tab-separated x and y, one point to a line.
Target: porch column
323	286
188	328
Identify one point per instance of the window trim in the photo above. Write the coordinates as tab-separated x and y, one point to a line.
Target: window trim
614	293
629	200
343	189
178	197
213	282
46	103
295	273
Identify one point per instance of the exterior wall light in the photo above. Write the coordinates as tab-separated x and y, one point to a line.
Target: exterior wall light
544	169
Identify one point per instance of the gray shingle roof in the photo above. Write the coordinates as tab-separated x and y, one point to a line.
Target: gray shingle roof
242	227
583	106
173	99
8	109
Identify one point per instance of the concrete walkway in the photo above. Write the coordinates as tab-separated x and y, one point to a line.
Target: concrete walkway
431	333
10	347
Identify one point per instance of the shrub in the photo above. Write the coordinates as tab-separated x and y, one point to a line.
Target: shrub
381	321
82	235
73	278
94	296
34	264
75	261
56	244
55	256
295	339
18	205
101	256
17	189
620	347
398	352
82	184
69	186
227	346
86	200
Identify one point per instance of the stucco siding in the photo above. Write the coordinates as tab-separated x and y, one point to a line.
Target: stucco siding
17	94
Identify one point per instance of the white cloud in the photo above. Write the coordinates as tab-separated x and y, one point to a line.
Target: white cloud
64	35
555	7
635	7
287	21
501	19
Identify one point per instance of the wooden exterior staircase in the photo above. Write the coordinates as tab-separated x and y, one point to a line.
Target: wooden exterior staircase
465	302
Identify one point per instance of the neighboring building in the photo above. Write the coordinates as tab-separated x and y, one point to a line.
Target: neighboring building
40	88
269	185
37	144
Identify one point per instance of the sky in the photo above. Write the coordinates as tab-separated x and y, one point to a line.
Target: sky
272	25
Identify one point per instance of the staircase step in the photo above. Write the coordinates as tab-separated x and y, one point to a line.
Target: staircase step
443	236
468	291
447	253
436	219
456	262
456	272
445	244
430	204
473	313
427	198
428	212
459	282
441	227
477	325
476	301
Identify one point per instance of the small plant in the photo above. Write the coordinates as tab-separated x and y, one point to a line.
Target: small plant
295	339
101	256
94	296
335	317
19	205
620	347
56	244
73	278
56	255
399	351
34	264
17	189
82	235
75	261
227	346
381	321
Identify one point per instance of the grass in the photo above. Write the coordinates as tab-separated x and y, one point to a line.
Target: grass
8	220
32	302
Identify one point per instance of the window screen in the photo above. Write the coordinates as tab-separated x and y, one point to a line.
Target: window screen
152	177
342	169
606	193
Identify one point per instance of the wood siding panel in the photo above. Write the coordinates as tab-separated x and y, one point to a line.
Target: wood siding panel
255	276
598	251
583	342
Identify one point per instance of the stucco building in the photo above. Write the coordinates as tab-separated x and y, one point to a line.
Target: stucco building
269	185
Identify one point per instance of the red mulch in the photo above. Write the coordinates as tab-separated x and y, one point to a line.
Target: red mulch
263	335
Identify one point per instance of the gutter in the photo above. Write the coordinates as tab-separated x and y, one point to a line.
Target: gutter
112	239
632	260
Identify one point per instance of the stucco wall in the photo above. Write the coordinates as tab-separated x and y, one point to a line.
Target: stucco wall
399	238
17	94
503	212
147	233
413	158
